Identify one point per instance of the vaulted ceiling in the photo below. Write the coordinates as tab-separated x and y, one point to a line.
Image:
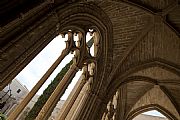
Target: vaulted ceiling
143	32
145	42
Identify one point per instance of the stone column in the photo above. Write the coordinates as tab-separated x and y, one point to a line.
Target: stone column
88	107
58	92
110	108
87	95
122	99
76	103
115	101
96	43
73	95
81	104
35	89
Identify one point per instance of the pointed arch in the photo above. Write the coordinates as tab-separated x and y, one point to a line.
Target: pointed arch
146	108
154	99
131	76
40	33
166	65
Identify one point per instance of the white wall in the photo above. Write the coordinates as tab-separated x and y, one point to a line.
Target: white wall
15	85
18	92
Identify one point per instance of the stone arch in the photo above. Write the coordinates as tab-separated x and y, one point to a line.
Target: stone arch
149	108
135	88
46	28
145	65
154	99
139	73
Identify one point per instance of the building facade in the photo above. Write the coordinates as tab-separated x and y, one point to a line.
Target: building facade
17	94
12	95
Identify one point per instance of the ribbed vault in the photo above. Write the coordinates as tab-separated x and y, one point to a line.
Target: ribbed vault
140	47
155	98
145	90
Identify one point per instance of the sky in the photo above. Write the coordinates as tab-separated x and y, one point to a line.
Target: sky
40	64
154	113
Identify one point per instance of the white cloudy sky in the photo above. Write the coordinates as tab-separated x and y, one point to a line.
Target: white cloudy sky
40	64
154	113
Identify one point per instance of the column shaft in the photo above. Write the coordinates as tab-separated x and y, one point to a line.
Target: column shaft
31	94
58	92
81	101
71	99
76	103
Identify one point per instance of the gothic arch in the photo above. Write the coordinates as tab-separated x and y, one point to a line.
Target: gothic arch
155	98
146	108
139	93
137	77
46	28
155	63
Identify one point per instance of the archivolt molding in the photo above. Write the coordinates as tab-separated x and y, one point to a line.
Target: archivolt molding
143	66
140	79
157	73
146	108
86	15
154	99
